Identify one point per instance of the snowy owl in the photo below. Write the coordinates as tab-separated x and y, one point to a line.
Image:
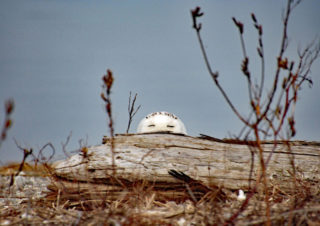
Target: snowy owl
161	122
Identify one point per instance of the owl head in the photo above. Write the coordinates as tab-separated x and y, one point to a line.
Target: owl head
161	122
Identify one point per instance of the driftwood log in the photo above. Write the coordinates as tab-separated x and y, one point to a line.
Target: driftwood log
153	158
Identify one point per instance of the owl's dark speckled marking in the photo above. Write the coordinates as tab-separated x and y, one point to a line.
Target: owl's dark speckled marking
162	113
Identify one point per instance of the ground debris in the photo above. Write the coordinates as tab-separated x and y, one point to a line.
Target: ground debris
26	202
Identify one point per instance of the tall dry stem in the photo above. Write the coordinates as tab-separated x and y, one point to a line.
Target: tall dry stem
105	95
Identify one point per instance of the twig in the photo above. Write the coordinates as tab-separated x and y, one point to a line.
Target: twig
131	110
195	14
64	145
283	47
42	157
245	62
260	51
26	153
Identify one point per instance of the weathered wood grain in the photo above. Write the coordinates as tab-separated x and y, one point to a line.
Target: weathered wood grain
149	157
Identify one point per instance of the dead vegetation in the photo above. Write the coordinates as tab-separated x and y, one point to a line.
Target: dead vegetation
271	115
25	199
139	206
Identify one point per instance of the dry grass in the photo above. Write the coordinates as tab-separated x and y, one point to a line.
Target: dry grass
28	202
29	169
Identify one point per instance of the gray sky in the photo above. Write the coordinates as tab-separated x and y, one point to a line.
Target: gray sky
54	53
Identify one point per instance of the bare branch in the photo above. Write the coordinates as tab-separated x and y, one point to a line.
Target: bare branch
26	153
64	145
284	43
260	51
131	110
262	109
44	158
195	14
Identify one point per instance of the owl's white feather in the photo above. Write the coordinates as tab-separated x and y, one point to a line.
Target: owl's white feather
161	122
